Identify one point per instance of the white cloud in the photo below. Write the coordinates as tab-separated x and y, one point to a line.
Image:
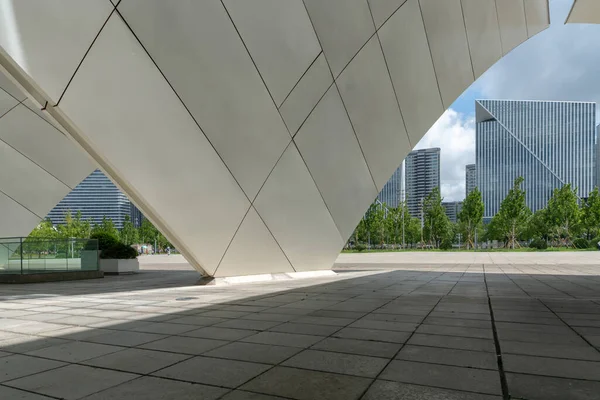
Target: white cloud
454	133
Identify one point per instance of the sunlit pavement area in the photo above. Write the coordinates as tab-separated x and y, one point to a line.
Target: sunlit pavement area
388	326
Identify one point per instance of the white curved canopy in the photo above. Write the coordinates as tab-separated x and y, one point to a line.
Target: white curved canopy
252	133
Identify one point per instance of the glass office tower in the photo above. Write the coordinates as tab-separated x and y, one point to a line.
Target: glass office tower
470	178
422	175
549	143
96	196
391	194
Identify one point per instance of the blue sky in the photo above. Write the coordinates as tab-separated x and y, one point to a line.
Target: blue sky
561	63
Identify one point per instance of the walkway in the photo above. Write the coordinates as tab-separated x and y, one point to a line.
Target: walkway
404	331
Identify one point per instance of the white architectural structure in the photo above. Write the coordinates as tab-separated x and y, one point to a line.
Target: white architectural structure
253	133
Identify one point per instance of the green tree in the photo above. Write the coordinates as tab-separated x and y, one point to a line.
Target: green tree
471	217
590	214
512	218
563	212
436	223
538	227
107	226
128	234
374	220
147	232
75	227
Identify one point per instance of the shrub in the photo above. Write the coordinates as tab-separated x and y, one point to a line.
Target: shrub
446	244
539	244
105	240
360	247
581	243
594	243
119	251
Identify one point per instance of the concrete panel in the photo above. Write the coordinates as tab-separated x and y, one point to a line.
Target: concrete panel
305	96
537	15
368	94
585	12
197	48
39	141
8	86
481	22
295	213
280	39
513	27
159	155
409	59
333	156
383	9
16	220
343	27
27	183
253	251
48	40
445	28
6	102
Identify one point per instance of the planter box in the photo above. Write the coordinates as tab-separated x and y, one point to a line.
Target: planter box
116	266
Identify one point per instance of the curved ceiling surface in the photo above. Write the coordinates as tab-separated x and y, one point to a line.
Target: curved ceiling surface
253	133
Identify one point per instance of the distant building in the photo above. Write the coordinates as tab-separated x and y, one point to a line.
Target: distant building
96	197
391	194
422	175
549	143
452	208
470	178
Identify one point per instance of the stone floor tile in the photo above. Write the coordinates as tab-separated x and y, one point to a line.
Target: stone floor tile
318	320
214	371
80	320
244	395
456	331
32	327
530	327
387	390
72	382
254	352
75	351
165	328
305	329
540	337
444	376
533	387
125	338
16	366
467	323
265	316
224	314
283	339
213	332
415	319
439	355
341	363
138	361
453	342
352	315
185	345
360	347
24	343
384	325
556	350
248	324
16	394
373	334
460	315
151	388
576	369
308	385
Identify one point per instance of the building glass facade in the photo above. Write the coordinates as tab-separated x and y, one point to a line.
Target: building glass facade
422	175
470	178
391	194
548	143
452	208
96	197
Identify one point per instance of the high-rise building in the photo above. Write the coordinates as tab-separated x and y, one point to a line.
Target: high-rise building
470	178
391	194
548	143
96	197
452	208
422	175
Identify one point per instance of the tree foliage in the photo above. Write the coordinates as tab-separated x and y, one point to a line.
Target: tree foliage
563	213
436	224
512	219
590	214
471	217
128	234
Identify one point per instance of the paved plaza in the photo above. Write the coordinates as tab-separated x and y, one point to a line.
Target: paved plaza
442	326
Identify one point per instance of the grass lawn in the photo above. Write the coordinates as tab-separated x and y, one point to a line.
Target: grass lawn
519	250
